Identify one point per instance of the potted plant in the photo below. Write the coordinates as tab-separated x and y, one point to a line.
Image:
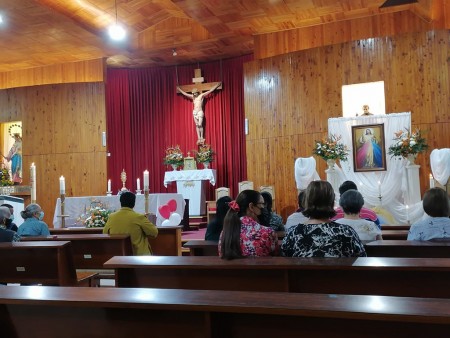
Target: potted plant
408	144
174	157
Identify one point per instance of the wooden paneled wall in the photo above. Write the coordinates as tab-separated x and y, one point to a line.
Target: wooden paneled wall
289	98
70	72
389	24
62	126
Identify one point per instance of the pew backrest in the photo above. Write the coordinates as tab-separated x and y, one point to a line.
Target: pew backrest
47	263
380	276
403	248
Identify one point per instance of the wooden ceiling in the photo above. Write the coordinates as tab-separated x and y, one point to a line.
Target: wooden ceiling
43	32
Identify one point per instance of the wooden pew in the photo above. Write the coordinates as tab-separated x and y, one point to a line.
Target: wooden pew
412	277
423	249
395	227
202	248
168	242
116	313
47	263
395	234
92	251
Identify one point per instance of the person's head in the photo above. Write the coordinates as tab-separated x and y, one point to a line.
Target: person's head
351	202
127	199
366	108
267	200
222	207
301	199
11	210
195	92
32	210
368	132
5	214
319	200
347	185
17	136
436	203
248	203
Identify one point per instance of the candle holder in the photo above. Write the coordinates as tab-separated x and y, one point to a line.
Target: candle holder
62	211
139	192
380	198
146	193
123	178
109	193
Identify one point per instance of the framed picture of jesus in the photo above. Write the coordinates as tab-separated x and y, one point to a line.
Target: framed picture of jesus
369	152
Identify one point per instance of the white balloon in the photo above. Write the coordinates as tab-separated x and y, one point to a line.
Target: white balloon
166	223
175	219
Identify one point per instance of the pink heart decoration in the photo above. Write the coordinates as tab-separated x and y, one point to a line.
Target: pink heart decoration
164	211
172	205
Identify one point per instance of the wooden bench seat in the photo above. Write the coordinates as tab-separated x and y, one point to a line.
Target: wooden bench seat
90	251
394	234
168	242
413	277
403	248
116	313
46	263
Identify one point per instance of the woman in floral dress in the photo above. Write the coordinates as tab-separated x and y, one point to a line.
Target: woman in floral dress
242	233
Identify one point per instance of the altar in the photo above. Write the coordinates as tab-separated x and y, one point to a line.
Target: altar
192	185
76	208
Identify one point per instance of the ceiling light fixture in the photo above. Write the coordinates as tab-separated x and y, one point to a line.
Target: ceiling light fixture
174	52
116	31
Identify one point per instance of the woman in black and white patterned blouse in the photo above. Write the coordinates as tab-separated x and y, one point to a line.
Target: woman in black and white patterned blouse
319	236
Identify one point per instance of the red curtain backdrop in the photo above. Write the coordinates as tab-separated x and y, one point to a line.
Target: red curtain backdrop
145	115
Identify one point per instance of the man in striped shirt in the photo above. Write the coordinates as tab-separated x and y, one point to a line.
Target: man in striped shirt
365	213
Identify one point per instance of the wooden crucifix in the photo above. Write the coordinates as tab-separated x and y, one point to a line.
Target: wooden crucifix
197	92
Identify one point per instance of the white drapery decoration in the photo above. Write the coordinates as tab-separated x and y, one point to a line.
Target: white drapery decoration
440	165
305	172
393	182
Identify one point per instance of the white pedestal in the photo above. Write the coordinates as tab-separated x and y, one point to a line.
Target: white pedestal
194	191
192	185
333	179
413	184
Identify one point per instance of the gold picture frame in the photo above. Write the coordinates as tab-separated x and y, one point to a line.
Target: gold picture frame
189	163
369	153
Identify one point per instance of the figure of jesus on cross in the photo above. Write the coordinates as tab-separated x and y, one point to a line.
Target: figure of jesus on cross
197	97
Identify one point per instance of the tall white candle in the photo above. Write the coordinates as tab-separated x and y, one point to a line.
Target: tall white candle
431	181
146	180
33	181
62	185
379	188
407	214
109	185
138	184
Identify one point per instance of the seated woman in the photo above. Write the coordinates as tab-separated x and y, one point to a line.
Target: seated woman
214	228
319	236
6	235
33	225
437	226
351	203
242	234
273	219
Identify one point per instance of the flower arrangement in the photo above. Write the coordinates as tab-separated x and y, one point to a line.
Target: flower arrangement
330	148
174	156
5	180
408	143
205	154
98	217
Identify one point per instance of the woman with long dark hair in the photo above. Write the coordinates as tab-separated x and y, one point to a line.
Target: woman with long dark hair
242	233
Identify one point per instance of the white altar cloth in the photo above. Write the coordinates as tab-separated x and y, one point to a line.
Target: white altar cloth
77	206
190	175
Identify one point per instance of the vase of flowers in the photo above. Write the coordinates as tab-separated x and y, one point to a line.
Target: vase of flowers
408	144
204	155
5	178
330	149
98	216
174	157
